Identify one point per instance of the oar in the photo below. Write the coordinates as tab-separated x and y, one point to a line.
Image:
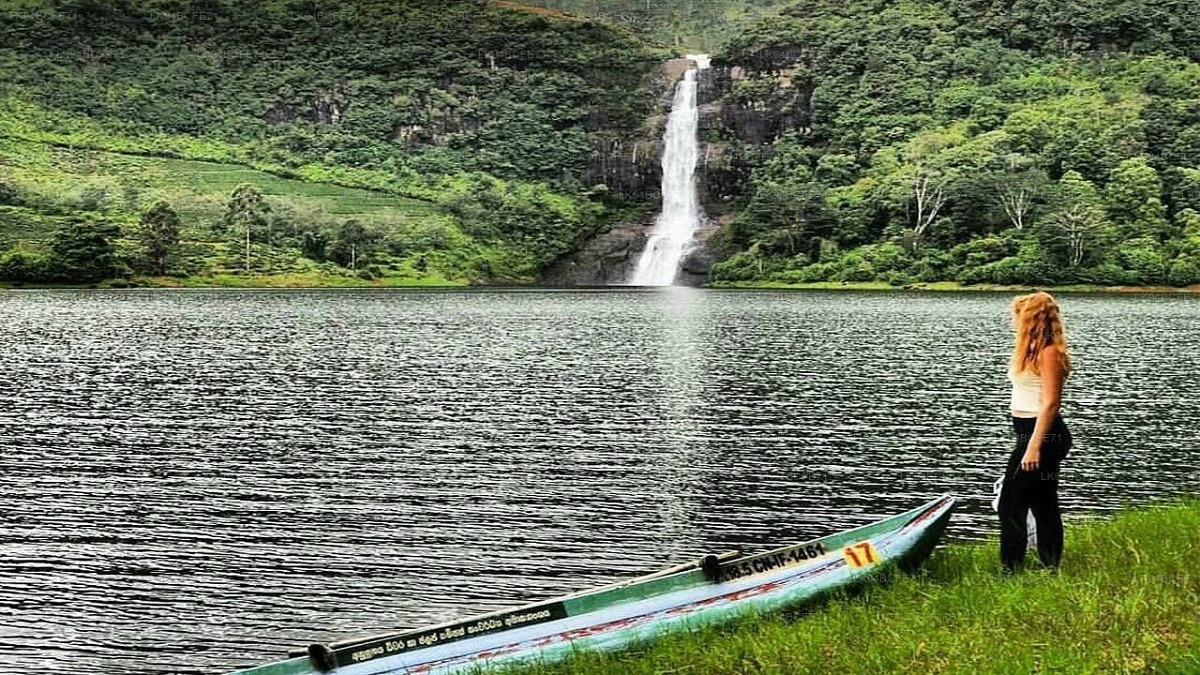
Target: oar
708	563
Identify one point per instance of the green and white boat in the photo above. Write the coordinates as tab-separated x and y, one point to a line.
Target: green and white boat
712	590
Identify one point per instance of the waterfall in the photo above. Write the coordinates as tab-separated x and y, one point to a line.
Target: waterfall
674	230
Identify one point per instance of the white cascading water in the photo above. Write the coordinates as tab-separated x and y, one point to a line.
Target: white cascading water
674	230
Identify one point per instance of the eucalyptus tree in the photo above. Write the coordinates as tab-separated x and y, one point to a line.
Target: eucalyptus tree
248	216
1080	223
1019	188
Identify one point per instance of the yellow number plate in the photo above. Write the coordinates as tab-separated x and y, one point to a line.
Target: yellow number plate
862	554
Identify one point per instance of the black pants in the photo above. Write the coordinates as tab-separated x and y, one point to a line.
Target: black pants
1036	490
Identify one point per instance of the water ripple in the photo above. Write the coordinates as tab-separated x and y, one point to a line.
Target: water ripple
198	480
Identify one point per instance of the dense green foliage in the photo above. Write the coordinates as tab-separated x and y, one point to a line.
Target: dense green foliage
477	228
970	141
696	26
402	86
460	106
158	232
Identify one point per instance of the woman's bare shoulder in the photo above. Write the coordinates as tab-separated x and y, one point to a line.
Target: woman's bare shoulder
1050	359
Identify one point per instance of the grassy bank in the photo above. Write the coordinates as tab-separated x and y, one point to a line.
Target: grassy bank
953	286
1124	602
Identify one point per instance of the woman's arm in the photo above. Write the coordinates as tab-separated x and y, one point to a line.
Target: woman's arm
1052	383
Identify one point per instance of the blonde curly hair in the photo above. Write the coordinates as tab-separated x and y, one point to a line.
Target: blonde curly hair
1038	324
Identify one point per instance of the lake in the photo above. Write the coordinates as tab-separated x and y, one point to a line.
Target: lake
196	480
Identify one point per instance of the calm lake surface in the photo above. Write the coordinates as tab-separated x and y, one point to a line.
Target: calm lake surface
192	481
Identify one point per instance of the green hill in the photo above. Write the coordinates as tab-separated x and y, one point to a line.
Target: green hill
971	141
863	141
484	114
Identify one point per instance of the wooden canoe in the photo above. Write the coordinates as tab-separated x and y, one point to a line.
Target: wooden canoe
685	597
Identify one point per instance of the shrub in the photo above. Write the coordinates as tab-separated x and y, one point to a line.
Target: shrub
1105	274
933	265
811	273
982	250
886	257
1184	272
84	252
10	194
738	267
1028	266
854	266
1144	259
1010	270
24	266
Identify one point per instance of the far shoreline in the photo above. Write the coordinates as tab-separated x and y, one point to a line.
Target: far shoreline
312	282
950	286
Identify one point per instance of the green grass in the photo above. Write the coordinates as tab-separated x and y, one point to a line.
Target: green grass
200	187
950	286
211	177
1124	602
419	243
23	120
21	224
56	180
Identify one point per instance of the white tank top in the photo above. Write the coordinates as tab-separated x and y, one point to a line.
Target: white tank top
1026	393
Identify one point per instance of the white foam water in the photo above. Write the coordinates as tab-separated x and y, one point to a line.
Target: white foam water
674	230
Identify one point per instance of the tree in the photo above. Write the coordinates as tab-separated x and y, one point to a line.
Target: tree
25	266
1184	269
928	188
314	245
790	213
158	232
9	194
926	181
1017	191
84	252
1133	198
1079	222
1185	191
247	215
350	245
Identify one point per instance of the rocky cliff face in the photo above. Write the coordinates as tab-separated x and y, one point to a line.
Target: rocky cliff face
694	268
606	259
745	105
324	106
630	168
739	128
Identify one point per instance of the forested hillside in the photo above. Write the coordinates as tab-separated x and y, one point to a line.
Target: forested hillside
698	26
467	141
969	140
486	112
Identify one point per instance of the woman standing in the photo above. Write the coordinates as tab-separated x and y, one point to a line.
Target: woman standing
1038	368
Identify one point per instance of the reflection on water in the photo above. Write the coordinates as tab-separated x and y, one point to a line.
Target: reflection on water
197	480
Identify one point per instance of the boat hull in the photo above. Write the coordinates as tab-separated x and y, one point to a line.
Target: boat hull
622	614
